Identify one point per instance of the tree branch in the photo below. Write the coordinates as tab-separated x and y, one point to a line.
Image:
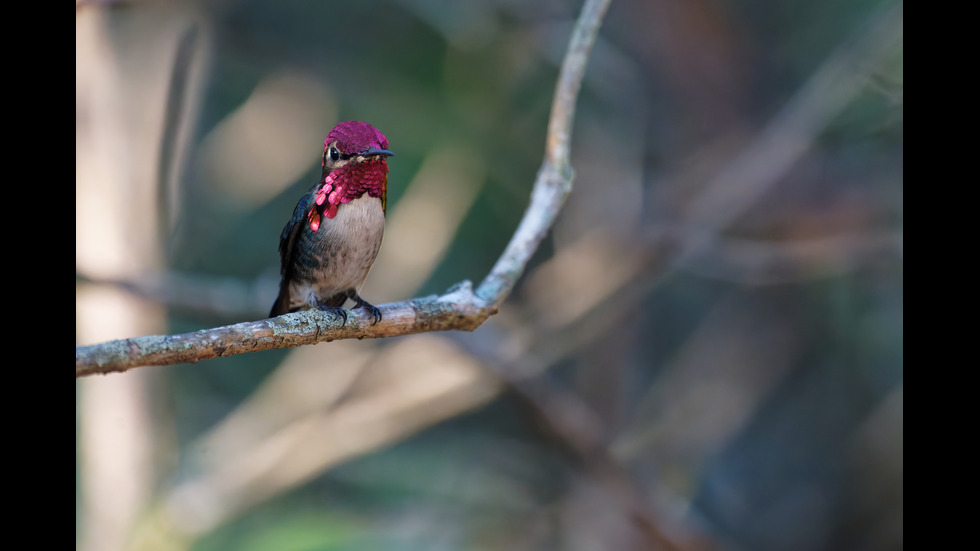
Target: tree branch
460	308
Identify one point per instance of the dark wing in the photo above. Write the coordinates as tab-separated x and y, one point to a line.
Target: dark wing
287	243
287	240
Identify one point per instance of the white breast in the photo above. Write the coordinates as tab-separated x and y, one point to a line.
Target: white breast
351	242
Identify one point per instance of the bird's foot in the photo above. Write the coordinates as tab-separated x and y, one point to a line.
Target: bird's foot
372	309
337	311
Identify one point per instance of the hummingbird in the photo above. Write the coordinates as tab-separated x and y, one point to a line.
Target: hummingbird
334	234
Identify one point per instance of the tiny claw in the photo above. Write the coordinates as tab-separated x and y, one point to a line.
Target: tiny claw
335	310
375	313
373	310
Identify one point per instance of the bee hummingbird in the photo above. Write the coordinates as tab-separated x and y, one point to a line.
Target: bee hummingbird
333	237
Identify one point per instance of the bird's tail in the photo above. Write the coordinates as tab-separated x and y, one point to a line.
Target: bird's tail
281	305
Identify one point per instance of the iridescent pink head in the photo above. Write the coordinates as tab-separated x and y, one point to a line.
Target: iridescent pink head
355	137
354	164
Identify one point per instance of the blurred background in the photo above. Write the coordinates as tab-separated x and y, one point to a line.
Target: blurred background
705	353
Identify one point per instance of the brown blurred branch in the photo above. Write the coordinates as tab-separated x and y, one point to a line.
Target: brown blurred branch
756	262
460	308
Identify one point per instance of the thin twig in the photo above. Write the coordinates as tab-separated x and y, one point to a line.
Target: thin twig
554	180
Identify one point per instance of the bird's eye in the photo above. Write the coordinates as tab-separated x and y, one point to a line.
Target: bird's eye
334	154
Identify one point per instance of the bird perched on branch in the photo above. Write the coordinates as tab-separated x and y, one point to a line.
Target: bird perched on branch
333	237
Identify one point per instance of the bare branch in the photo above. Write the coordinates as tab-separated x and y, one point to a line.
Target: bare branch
554	180
460	308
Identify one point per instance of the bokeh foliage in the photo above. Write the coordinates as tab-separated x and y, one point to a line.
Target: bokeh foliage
744	395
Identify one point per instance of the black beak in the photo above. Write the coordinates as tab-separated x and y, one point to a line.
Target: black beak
374	151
